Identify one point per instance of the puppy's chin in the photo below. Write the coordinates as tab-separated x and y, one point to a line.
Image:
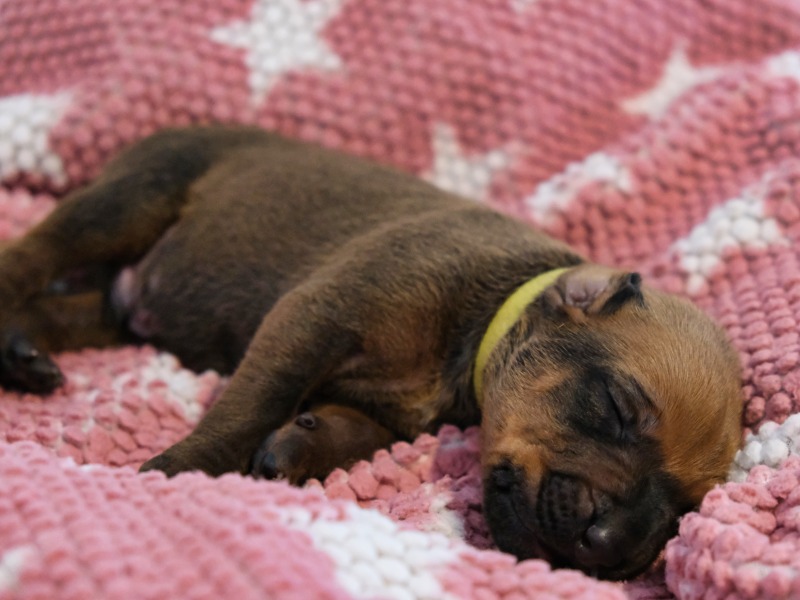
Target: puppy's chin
567	523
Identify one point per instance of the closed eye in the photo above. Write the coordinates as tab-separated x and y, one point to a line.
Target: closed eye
618	414
600	407
615	402
612	407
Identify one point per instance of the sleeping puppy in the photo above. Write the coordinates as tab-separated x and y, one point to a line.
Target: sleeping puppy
355	305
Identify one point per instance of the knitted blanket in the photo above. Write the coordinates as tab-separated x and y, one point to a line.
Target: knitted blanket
657	135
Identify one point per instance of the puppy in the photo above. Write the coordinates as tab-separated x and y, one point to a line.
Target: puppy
356	305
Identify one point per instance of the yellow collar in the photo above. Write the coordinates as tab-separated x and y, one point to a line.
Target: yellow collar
504	319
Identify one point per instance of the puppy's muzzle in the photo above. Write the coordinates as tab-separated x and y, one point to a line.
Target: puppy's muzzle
571	524
574	521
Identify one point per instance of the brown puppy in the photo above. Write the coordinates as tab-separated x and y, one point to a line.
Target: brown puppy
607	408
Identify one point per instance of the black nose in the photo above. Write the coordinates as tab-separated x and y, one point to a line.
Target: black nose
600	546
268	467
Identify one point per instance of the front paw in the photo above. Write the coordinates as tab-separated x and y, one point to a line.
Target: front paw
166	464
193	455
23	367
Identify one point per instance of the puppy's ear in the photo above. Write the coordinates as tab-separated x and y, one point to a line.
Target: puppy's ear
589	290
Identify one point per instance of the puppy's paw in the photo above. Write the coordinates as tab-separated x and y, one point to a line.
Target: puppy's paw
23	367
164	463
192	454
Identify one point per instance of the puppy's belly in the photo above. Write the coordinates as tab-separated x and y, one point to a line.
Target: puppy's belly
204	330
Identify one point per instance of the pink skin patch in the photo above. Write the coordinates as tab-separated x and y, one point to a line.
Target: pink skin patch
126	298
123	290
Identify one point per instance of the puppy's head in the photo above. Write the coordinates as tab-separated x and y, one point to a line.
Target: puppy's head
609	410
316	442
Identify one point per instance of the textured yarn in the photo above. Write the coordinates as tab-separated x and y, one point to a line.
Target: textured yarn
657	135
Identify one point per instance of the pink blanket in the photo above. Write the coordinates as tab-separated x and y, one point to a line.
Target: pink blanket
658	135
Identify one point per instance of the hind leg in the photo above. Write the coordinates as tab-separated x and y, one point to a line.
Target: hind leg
118	217
46	324
112	222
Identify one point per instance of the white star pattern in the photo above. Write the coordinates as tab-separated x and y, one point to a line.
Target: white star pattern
522	5
373	557
770	445
785	64
184	388
12	562
468	176
281	36
739	222
25	124
677	77
555	194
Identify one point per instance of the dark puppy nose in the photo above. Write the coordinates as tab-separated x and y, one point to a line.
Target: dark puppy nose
585	524
268	467
600	546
